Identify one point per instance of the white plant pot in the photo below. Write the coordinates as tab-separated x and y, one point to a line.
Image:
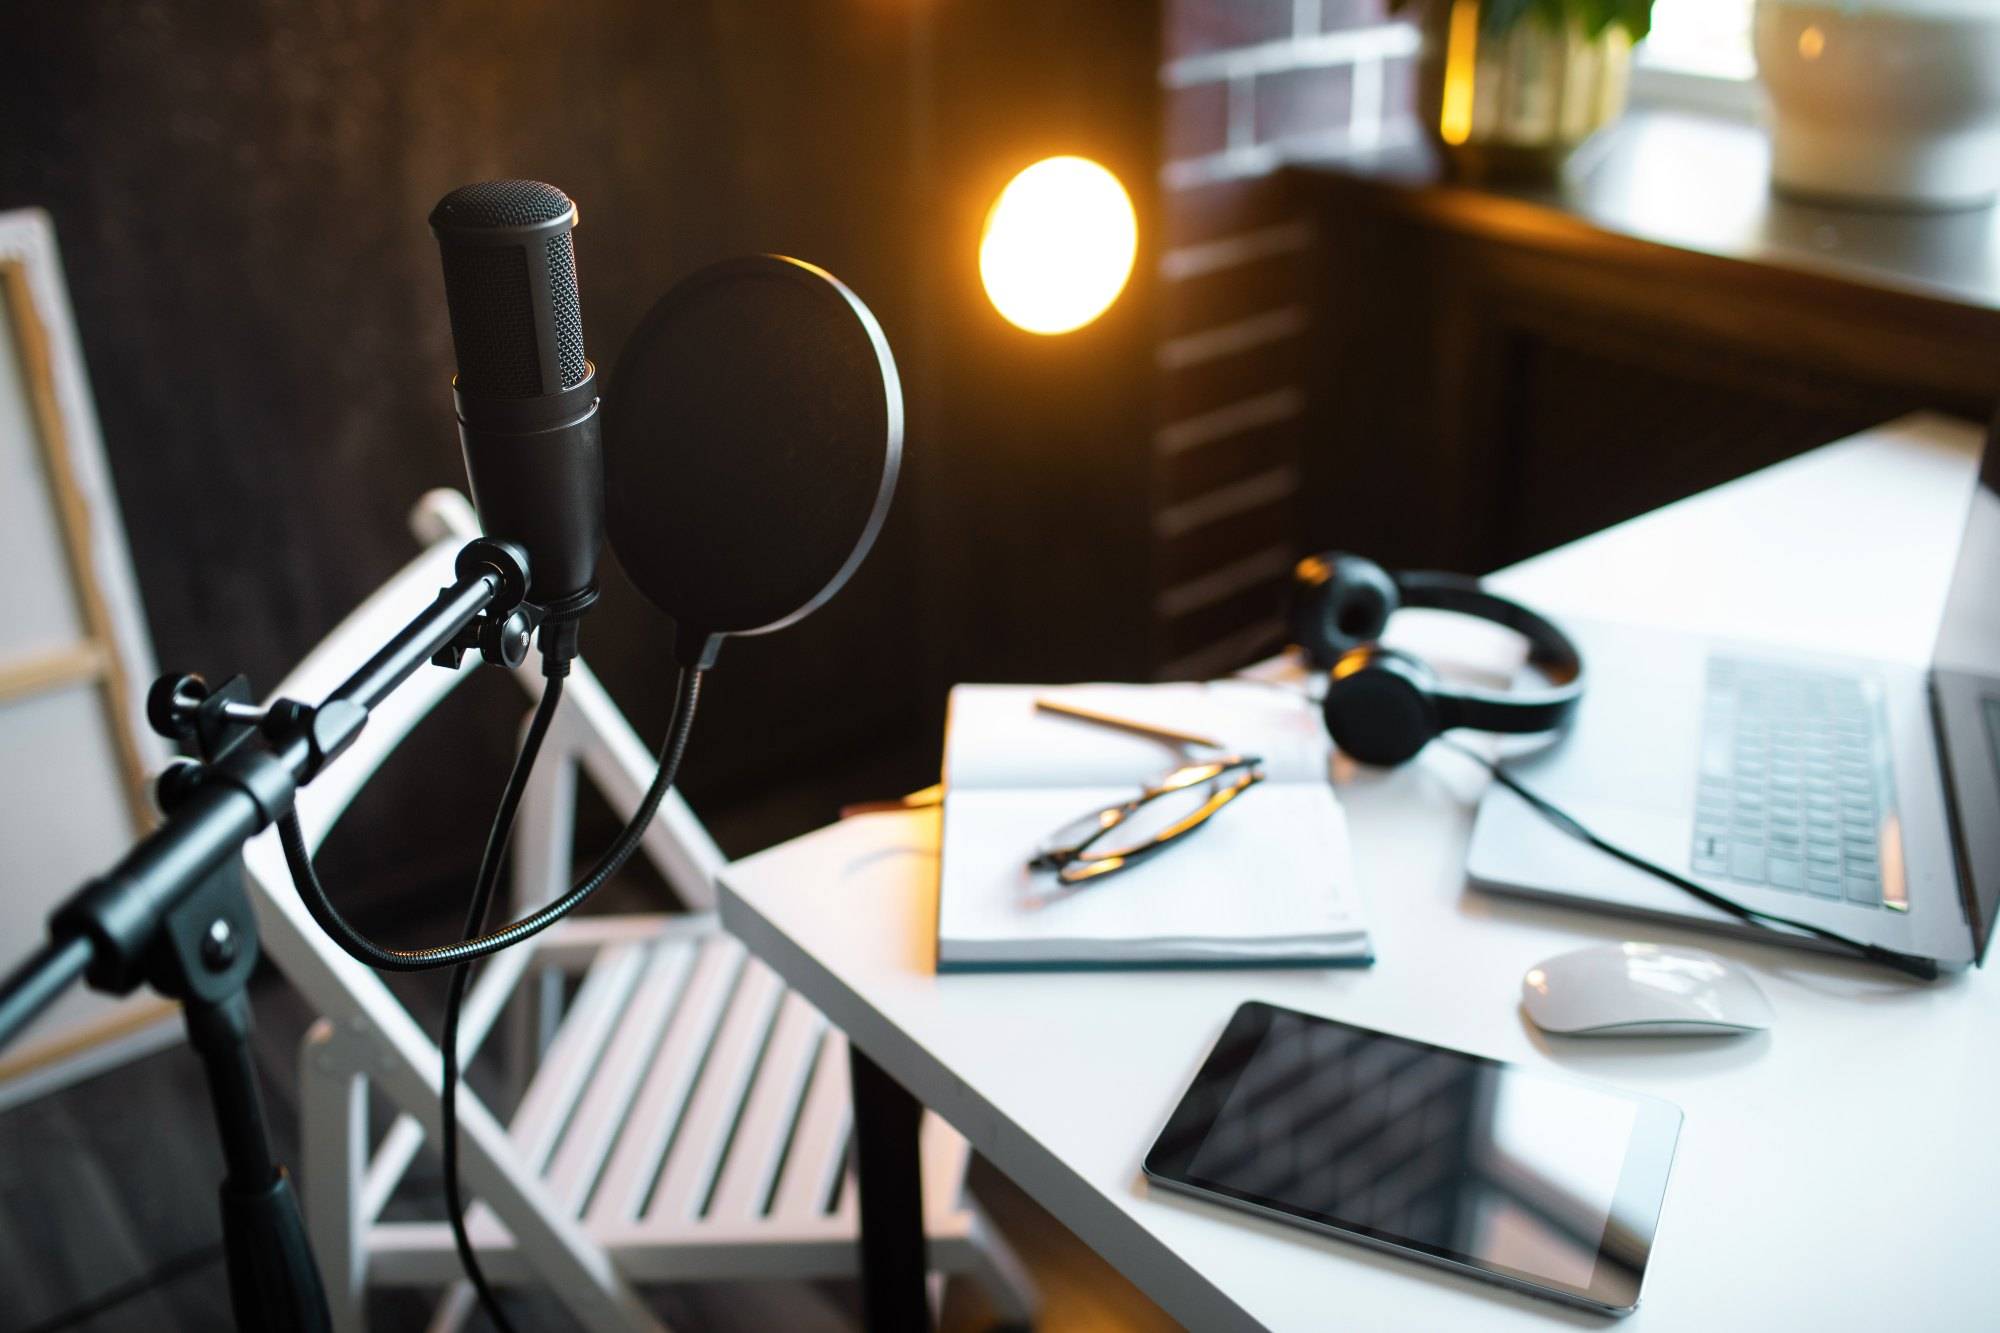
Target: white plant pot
1890	102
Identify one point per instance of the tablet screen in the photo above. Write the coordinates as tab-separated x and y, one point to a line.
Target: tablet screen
1550	1182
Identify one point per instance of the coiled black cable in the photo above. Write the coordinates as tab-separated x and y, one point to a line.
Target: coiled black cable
687	693
460	956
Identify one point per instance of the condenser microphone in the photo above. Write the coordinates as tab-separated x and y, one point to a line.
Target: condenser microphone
753	431
525	393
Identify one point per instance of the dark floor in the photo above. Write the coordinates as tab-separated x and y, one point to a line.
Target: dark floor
107	1191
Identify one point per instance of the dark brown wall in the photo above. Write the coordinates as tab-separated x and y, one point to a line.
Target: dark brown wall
1036	549
240	193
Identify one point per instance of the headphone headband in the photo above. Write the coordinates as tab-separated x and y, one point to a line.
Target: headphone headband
1383	706
1550	651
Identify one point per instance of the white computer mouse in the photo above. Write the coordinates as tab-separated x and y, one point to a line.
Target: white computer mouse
1643	990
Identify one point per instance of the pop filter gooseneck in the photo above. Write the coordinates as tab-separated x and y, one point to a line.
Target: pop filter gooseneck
753	430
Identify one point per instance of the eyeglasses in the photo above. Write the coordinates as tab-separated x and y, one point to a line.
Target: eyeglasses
1120	836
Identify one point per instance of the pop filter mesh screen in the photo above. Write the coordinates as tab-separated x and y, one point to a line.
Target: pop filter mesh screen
750	443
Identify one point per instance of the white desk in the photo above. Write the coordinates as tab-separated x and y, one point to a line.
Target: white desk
1841	1171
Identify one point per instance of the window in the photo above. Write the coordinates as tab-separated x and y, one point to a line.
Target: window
1709	37
1698	56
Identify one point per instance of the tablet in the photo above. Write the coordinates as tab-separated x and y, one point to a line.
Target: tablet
1537	1181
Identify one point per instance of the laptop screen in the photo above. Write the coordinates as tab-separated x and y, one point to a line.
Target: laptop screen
1965	682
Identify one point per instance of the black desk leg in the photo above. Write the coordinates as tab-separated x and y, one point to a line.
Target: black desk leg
895	1261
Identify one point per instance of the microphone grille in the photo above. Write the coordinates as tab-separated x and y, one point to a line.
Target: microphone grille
492	321
502	204
507	344
568	311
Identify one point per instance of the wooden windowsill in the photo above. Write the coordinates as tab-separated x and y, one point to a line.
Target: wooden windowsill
1697	184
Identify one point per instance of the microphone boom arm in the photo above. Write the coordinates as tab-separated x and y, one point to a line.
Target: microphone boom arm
172	912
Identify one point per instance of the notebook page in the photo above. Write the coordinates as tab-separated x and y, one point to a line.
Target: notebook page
997	738
1272	869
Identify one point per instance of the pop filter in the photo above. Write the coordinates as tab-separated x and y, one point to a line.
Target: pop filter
752	434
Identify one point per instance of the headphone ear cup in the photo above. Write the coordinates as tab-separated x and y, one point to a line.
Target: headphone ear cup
1380	707
1339	602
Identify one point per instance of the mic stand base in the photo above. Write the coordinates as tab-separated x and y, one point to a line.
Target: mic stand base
204	958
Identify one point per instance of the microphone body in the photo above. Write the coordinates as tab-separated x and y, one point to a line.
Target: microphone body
525	394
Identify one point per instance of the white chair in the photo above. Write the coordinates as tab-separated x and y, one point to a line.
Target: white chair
687	1119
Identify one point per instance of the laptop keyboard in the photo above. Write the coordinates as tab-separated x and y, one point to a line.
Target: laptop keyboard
1794	790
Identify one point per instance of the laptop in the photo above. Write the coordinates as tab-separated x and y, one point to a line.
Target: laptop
1860	796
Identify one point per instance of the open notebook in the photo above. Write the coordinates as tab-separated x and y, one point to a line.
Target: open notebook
1267	881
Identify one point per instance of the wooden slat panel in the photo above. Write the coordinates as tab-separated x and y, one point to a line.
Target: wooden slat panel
1222	583
1191	391
1272	268
1197	213
1194	472
420	1254
757	1152
386	1167
649	1128
566	1068
697	1150
544	847
819	1147
573	944
1226	654
453	1310
1229	421
1235	537
497	979
573	1055
594	1128
413	1253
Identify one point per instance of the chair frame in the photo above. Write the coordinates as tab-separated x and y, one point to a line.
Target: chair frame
533	1176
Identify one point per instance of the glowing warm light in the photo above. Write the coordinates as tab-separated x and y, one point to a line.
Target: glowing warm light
1811	42
1058	245
1461	60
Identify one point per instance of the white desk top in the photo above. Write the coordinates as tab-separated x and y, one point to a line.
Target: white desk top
1842	1168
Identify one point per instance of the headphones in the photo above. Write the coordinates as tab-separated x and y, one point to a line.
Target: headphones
1382	705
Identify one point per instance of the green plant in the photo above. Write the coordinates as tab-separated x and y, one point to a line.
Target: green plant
1593	16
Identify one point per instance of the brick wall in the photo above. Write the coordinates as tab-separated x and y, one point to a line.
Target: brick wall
1246	84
